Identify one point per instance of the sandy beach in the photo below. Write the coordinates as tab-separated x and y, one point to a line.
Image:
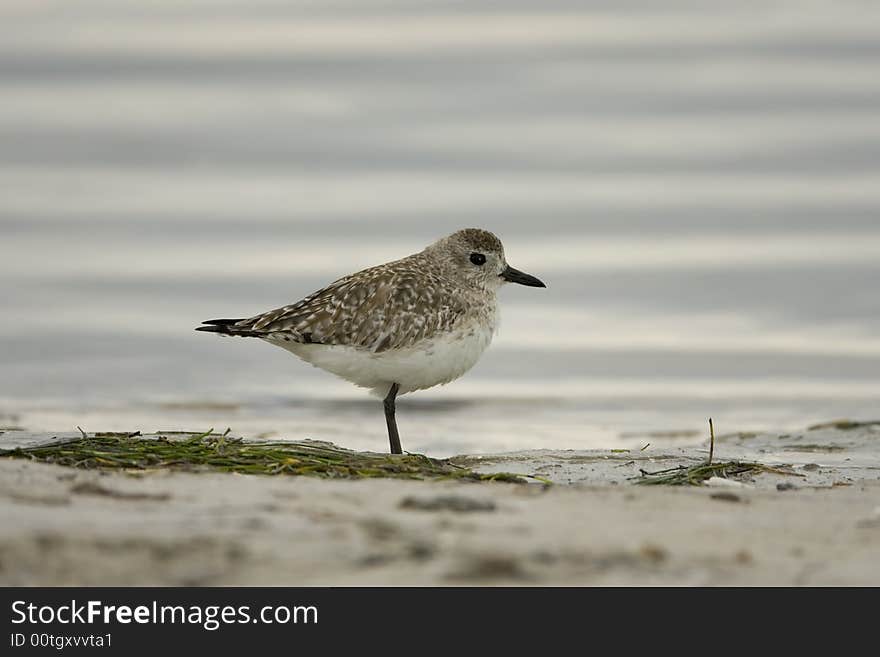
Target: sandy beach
818	524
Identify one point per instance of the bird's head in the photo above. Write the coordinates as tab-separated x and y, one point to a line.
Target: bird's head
476	257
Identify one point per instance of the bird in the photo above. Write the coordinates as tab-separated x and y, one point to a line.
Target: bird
406	325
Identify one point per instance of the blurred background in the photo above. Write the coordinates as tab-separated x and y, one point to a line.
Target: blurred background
698	183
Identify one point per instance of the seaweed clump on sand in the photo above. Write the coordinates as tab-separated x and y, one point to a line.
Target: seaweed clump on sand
695	475
219	453
844	425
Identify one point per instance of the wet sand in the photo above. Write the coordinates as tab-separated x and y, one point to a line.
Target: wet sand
819	525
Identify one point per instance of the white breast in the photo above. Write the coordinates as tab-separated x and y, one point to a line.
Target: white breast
427	364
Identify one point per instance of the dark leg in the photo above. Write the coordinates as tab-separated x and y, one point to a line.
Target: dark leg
393	436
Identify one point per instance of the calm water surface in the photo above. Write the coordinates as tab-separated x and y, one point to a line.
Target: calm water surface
699	187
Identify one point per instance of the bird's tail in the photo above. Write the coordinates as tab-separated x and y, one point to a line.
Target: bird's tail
227	327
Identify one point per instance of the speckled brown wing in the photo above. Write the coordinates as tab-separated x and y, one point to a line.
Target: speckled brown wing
385	307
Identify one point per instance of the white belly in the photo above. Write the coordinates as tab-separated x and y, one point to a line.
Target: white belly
427	364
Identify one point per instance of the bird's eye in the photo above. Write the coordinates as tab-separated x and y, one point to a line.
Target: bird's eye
478	258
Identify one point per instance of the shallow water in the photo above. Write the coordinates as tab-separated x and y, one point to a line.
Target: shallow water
699	186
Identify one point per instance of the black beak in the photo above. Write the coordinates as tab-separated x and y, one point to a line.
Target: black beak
516	276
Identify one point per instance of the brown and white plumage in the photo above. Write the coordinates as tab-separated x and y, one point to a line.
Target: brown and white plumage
386	307
406	325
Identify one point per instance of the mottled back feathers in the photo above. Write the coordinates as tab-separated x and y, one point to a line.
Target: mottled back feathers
391	306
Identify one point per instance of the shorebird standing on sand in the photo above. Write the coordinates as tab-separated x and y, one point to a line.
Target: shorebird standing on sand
403	326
